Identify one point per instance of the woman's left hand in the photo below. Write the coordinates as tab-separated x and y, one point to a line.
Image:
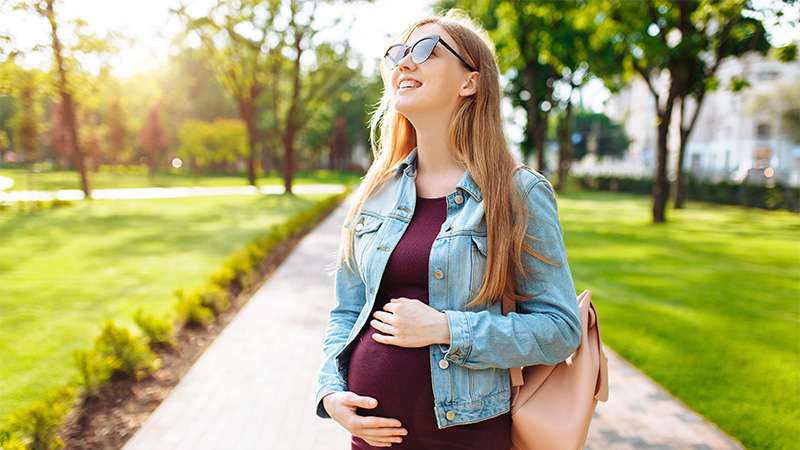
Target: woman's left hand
408	322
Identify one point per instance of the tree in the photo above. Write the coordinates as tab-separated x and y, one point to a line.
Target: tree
117	133
597	133
337	122
5	144
47	10
153	139
212	145
26	122
676	48
520	31
243	61
741	34
57	134
541	47
254	63
65	65
318	85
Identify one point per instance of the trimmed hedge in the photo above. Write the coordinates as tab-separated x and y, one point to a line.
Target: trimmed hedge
34	206
780	196
120	353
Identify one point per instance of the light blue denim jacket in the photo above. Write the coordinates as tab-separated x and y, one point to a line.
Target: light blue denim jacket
470	377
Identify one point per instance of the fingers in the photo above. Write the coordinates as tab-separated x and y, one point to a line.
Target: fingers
376	422
377	444
381	433
376	431
383	437
381	430
383	327
362	401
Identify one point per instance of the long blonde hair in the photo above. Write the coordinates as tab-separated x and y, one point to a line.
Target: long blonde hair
476	136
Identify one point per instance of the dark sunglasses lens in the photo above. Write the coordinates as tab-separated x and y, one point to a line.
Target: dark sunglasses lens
395	54
423	50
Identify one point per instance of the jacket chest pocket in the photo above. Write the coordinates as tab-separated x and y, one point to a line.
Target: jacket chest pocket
477	259
364	240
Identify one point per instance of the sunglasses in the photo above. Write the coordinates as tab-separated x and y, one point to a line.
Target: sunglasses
420	52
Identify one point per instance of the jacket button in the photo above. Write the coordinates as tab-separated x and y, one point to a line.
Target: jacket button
359	226
438	274
451	415
459	199
443	363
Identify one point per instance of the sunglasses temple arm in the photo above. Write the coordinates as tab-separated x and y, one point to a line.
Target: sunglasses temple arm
457	55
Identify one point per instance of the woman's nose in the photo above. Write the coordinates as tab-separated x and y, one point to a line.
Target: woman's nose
406	60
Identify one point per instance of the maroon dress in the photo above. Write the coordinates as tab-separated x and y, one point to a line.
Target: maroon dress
400	377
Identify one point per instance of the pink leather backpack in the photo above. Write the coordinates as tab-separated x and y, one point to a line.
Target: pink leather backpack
552	405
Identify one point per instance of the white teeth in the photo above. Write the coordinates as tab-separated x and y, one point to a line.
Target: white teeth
410	84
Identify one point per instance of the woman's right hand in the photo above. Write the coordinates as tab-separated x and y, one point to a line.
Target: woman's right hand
376	431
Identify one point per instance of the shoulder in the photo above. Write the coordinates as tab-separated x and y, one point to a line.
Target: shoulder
538	194
526	178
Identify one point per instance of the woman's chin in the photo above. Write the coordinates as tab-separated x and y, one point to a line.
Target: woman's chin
406	106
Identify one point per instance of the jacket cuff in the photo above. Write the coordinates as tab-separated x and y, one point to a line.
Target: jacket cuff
322	392
460	337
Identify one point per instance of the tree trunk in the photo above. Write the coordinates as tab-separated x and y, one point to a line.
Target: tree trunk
247	111
68	104
288	158
679	181
661	182
565	145
292	119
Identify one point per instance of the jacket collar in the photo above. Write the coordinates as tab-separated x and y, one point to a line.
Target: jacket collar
409	167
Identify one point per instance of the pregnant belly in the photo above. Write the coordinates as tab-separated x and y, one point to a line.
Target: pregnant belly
398	377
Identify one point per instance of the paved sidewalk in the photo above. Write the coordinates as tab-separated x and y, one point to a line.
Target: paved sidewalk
254	387
166	192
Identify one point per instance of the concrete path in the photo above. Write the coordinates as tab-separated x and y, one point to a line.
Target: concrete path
253	389
169	192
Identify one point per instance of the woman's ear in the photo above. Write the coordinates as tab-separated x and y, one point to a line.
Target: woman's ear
470	85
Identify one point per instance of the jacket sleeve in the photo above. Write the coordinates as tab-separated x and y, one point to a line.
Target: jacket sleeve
545	329
350	297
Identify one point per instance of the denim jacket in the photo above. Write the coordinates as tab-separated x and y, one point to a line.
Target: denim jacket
470	376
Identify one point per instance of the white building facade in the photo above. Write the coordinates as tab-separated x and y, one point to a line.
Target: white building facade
737	135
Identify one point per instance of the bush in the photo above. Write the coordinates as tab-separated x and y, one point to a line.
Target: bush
190	310
36	427
117	350
224	277
156	330
779	196
213	297
9	441
92	370
125	353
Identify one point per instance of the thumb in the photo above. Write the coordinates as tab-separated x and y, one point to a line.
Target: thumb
363	401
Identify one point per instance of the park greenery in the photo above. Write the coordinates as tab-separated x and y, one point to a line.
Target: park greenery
676	48
705	304
194	107
225	251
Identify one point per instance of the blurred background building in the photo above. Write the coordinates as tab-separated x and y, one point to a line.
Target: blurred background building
738	136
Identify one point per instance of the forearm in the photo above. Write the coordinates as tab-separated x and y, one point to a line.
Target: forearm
546	327
483	339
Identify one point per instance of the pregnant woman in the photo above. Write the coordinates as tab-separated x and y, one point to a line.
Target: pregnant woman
417	348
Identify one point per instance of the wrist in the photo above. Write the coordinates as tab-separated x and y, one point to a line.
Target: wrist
445	335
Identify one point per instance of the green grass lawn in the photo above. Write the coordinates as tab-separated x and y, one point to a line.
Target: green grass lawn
137	177
707	304
63	271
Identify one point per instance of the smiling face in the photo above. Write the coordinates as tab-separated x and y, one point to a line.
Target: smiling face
443	78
